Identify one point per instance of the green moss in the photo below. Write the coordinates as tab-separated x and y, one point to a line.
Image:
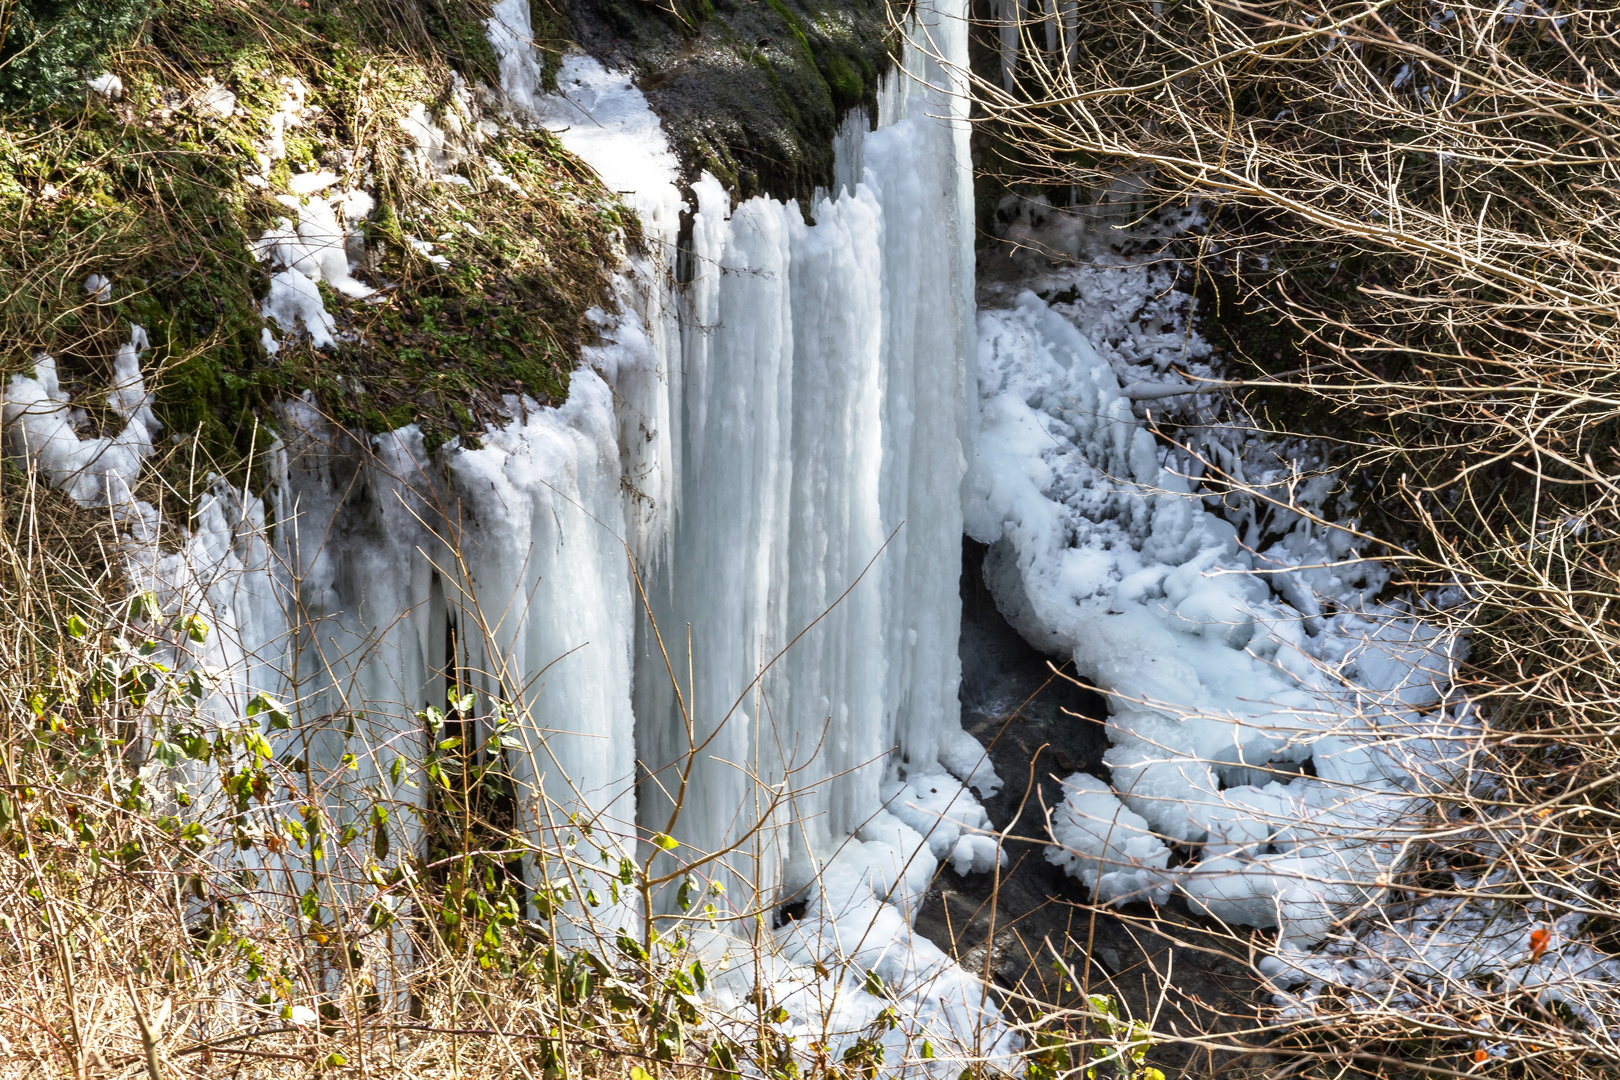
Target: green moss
151	193
550	29
843	81
459	29
49	46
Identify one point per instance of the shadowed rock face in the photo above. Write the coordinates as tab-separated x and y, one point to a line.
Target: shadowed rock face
752	91
1041	727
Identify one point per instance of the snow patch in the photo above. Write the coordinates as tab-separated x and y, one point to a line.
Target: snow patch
108	85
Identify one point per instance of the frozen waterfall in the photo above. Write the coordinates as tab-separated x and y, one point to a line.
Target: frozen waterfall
709	604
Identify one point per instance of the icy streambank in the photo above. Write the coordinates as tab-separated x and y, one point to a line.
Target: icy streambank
1228	669
1268	715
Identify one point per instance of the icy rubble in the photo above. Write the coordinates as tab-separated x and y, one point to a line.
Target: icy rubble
1220	689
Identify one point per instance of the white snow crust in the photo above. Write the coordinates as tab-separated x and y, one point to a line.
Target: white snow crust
42	427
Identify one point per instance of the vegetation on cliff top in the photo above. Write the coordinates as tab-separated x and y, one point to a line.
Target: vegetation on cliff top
163	188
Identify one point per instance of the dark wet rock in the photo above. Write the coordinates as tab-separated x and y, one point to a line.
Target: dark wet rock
752	91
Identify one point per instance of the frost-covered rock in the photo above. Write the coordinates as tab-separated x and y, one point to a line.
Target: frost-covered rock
1106	845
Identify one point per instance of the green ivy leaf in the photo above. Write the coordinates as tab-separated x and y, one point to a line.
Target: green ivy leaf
255	742
144	607
631	947
280	718
194	627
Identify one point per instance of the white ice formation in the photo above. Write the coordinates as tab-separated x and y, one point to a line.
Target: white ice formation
1229	663
323	245
320	242
1232	656
107	85
42	427
795	513
1271	717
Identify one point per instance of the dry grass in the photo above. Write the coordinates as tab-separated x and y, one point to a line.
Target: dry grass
1409	217
180	898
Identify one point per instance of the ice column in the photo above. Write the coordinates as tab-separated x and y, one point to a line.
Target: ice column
820	411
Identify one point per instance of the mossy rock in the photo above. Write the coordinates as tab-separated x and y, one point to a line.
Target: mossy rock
153	192
753	91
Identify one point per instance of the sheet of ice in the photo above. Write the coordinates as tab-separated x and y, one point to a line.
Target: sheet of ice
443	141
294	302
288	115
602	117
822	372
512	38
215	98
